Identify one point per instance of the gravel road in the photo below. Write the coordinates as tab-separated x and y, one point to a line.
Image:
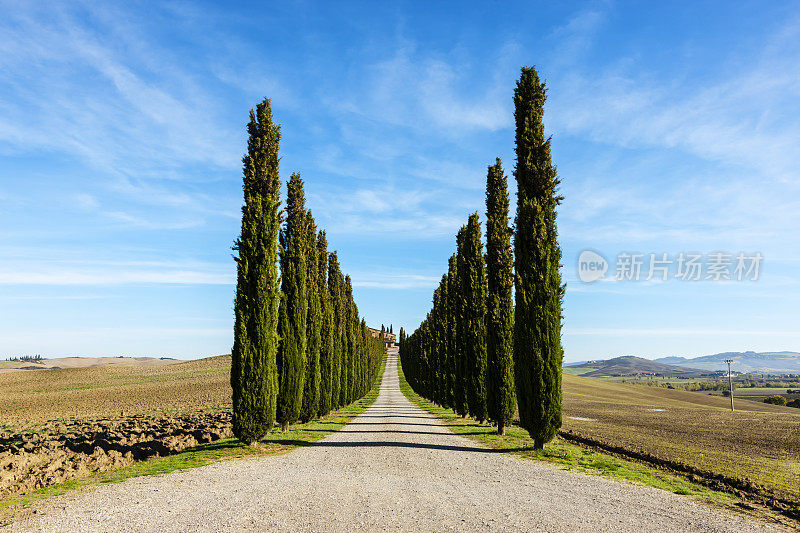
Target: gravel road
394	468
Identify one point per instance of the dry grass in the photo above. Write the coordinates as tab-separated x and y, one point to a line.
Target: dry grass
36	396
758	442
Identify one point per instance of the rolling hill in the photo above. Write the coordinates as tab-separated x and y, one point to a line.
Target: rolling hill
629	365
744	362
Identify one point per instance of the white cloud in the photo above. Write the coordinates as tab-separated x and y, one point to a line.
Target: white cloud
679	332
116	277
740	119
85	201
94	105
422	91
65	266
396	281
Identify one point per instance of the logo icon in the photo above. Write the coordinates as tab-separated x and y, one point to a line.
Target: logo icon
591	266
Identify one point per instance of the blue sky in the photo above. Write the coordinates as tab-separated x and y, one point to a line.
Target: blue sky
675	129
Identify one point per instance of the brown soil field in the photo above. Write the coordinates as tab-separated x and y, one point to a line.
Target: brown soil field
80	362
755	448
64	450
61	424
34	397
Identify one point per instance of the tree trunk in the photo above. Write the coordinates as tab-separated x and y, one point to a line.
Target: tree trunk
538	444
501	428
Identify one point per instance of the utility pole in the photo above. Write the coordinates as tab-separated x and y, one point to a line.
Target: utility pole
730	380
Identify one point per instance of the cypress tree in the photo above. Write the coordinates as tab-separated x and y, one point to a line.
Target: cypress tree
451	335
460	380
345	353
539	290
350	340
326	353
293	309
255	344
501	400
436	366
334	294
364	341
313	324
474	293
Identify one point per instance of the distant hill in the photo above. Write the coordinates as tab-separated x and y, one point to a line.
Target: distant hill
630	366
745	362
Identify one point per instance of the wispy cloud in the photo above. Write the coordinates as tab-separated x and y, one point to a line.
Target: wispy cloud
419	90
126	123
397	281
114	277
680	332
740	118
693	159
24	266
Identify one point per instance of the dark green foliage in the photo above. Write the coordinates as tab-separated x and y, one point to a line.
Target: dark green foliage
293	310
461	380
500	396
775	400
337	352
310	406
351	319
346	360
539	291
451	338
437	355
473	290
253	366
326	353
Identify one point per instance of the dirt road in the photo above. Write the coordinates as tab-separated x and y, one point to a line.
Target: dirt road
394	468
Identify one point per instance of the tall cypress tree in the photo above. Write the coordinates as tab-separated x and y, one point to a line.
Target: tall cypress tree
460	367
350	339
539	290
500	396
335	295
345	351
253	365
364	337
326	353
437	351
310	405
293	310
474	292
452	336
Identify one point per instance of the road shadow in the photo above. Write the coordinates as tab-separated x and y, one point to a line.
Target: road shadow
391	424
392	444
397	431
417	445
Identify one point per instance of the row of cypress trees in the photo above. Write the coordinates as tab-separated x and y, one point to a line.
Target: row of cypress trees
300	349
492	340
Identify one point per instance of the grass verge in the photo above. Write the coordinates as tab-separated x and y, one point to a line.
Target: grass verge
574	457
275	443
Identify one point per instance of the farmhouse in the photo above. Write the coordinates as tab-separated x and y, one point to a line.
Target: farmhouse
389	339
